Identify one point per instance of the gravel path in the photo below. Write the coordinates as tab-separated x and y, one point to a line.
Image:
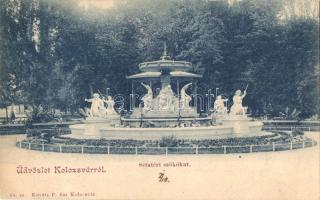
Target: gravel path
272	175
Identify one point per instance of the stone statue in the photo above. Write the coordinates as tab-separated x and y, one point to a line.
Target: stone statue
219	106
165	98
97	106
87	111
185	98
237	108
147	99
110	106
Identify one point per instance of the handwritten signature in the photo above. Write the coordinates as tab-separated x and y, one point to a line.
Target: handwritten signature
163	178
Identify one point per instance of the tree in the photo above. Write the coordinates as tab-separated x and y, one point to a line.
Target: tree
55	53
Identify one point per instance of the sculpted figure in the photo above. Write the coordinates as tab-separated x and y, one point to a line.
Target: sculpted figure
97	106
165	98
185	98
168	91
110	106
87	112
219	106
237	108
147	99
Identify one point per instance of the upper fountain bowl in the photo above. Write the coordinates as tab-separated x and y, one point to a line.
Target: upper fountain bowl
164	64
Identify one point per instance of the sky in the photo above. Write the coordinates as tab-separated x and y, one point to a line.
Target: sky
102	4
290	8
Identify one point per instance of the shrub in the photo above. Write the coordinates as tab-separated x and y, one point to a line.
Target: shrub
33	132
41	115
168	141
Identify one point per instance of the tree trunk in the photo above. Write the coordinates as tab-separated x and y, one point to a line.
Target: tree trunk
7	116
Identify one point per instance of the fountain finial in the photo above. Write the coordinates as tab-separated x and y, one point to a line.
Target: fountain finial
164	55
165	49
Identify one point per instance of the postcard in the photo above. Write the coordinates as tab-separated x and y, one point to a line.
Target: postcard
171	99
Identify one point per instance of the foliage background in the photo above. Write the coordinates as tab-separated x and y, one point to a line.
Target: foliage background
55	53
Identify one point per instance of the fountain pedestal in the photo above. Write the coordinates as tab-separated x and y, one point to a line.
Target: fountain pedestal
242	125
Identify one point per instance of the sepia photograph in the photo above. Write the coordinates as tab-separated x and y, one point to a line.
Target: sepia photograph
159	99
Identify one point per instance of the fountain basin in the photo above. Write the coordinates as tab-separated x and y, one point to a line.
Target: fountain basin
100	130
170	122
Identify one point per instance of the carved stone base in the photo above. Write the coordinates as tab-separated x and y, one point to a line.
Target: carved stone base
243	125
110	120
191	112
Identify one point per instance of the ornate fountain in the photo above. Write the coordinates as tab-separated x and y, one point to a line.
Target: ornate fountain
167	110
